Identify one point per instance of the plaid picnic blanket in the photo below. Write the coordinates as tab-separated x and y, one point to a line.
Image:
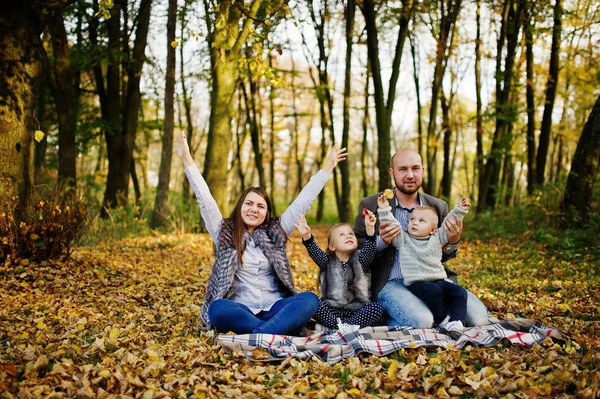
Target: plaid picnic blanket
383	340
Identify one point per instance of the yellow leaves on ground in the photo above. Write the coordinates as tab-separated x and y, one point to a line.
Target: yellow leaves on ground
123	319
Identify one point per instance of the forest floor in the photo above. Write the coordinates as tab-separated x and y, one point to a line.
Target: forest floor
121	319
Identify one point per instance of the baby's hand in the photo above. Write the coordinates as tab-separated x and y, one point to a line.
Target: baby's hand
464	203
303	227
382	201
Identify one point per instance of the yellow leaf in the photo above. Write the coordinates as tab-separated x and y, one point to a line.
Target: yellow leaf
114	333
355	393
38	135
392	370
174	44
40	325
104	373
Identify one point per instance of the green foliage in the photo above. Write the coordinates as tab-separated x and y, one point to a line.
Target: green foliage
52	222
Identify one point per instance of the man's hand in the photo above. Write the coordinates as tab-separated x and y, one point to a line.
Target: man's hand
453	226
388	232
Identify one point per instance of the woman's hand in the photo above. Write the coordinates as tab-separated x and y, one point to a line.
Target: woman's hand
303	227
336	155
183	150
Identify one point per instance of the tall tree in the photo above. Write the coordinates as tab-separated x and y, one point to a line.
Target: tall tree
22	60
344	210
577	201
159	216
530	96
62	80
120	136
512	15
545	129
479	161
229	25
383	108
443	33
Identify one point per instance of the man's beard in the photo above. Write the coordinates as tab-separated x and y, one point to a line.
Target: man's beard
407	191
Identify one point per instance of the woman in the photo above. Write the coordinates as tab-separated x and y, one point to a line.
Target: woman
250	289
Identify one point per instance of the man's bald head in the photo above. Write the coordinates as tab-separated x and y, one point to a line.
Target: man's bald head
406	153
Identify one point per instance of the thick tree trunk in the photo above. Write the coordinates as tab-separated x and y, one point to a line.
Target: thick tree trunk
577	201
22	60
345	166
365	129
226	39
530	94
64	96
446	129
160	217
551	85
479	162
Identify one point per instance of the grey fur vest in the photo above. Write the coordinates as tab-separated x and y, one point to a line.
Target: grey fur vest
345	288
269	238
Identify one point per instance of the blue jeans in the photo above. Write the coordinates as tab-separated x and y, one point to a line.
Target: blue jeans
285	316
404	309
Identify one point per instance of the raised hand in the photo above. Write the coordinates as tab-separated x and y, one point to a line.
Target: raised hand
183	150
370	221
382	201
464	203
303	227
336	155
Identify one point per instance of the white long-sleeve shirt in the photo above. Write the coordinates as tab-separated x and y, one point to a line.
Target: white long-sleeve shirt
255	284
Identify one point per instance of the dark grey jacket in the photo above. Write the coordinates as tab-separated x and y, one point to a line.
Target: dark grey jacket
382	264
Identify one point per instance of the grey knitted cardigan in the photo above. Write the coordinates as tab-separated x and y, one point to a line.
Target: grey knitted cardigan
346	288
420	257
270	238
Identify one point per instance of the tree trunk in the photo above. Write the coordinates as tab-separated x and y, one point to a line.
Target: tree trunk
551	85
450	9
159	216
62	78
479	162
255	132
43	117
511	24
272	140
577	202
446	129
345	166
226	39
365	128
416	68
384	110
22	60
530	94
187	101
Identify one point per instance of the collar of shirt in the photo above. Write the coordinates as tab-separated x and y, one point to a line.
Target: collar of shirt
399	206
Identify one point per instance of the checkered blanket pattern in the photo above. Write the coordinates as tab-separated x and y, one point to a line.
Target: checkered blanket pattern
383	340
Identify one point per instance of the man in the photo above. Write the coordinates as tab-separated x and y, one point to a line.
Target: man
387	286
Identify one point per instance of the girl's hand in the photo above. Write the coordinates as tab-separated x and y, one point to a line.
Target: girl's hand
370	221
382	201
303	227
183	150
335	156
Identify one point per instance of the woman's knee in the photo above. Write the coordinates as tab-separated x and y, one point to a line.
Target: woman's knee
309	301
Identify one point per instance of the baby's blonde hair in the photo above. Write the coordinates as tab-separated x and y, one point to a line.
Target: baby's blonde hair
430	209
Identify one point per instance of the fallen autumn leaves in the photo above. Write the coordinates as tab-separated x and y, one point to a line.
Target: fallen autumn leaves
121	319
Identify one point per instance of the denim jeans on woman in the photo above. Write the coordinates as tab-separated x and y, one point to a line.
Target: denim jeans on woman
404	309
286	316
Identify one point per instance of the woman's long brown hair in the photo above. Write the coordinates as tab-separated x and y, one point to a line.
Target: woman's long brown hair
239	228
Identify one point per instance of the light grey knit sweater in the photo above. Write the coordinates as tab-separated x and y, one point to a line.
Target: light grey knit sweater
420	257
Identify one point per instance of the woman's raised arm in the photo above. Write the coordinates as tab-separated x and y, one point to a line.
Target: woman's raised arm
311	190
208	206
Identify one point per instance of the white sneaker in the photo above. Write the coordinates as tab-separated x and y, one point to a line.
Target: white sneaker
453	328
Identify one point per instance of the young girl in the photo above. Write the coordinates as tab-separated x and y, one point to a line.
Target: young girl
250	289
345	275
